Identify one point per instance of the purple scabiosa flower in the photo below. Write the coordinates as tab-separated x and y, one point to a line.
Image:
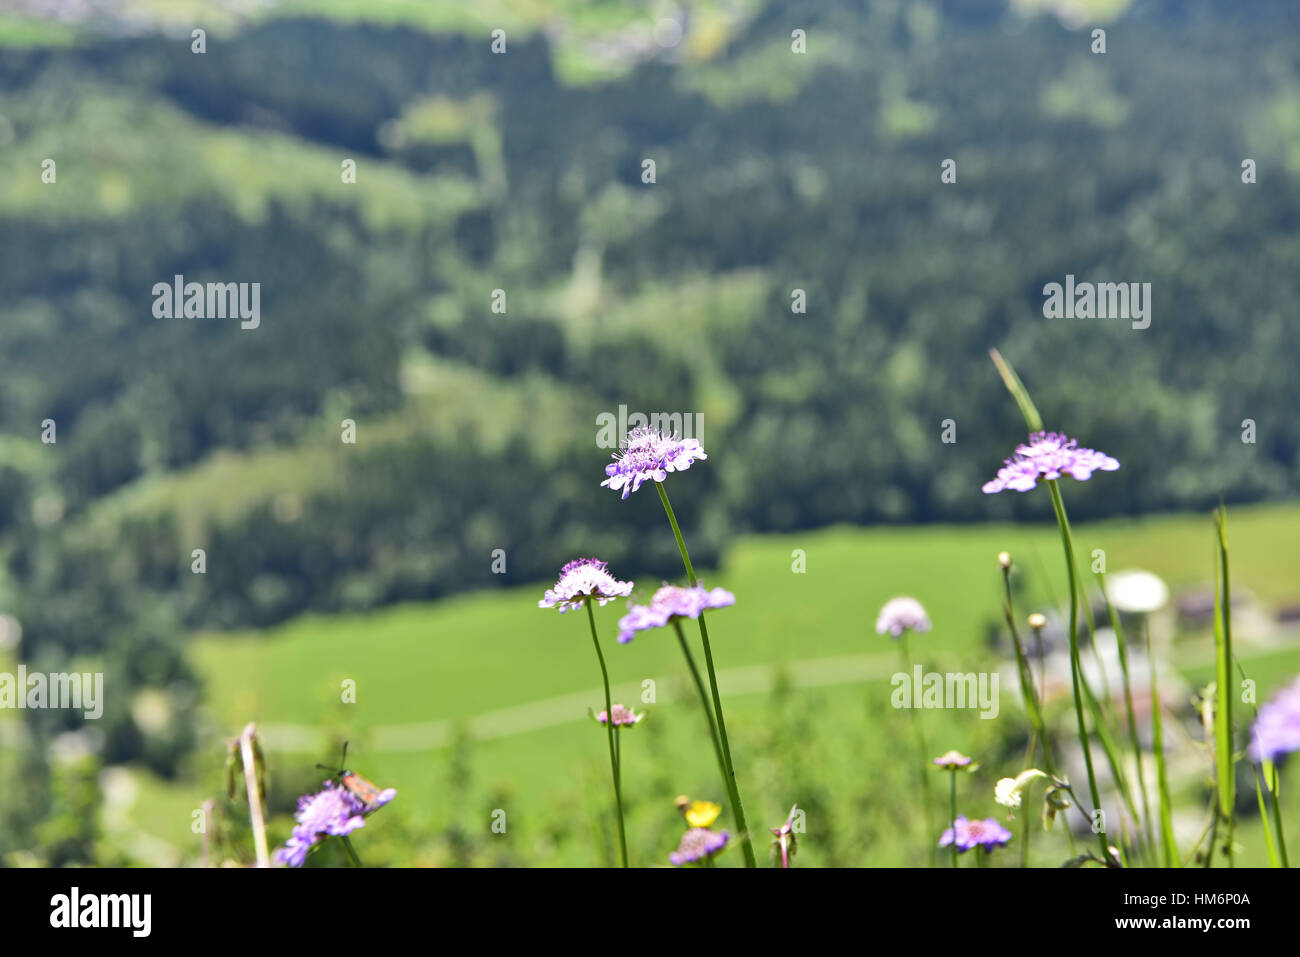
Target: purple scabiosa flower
952	761
900	614
668	603
970	834
1048	455
581	579
623	717
697	844
332	812
649	454
1277	729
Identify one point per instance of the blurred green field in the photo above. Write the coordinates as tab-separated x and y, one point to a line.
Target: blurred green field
803	673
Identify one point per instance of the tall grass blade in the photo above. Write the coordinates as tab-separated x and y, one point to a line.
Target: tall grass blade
1273	859
1224	767
1134	740
1168	844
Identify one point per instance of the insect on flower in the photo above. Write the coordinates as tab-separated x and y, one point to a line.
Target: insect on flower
361	789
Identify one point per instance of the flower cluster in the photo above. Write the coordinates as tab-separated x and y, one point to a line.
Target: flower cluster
671	602
953	760
649	454
1048	455
699	813
901	614
332	812
698	844
968	834
1007	791
622	716
1277	729
583	579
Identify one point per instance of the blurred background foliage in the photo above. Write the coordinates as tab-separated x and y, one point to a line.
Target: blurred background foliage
522	172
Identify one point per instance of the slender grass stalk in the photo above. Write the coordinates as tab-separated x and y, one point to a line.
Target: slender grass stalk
246	749
733	790
1109	746
1018	392
1270	843
1032	704
1224	763
1024	840
1213	816
1122	647
1078	805
1167	842
1042	671
1270	771
609	728
1214	831
1110	749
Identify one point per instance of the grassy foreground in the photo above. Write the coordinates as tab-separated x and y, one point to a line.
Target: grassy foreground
478	704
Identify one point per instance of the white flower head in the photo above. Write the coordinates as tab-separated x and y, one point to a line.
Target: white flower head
1007	791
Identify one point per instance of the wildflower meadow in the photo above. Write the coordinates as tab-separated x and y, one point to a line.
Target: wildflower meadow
1091	788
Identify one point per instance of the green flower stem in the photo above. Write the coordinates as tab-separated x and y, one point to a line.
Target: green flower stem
1271	844
732	789
1034	421
609	728
746	845
1042	667
704	699
1270	782
1168	842
1108	746
352	854
952	811
1225	763
1032	704
923	764
1024	841
1068	542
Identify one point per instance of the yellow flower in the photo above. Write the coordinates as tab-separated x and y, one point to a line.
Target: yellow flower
702	813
